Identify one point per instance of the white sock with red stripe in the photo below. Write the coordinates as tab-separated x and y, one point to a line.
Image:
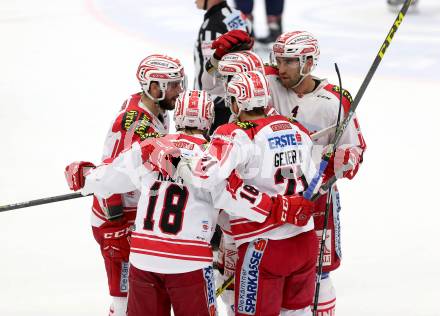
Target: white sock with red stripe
118	306
297	312
327	298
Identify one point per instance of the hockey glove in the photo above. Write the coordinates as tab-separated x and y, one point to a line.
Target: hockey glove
114	239
346	161
75	174
231	41
160	154
293	209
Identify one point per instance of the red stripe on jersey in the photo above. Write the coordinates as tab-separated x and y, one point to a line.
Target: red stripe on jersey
239	221
192	139
171	247
362	143
99	214
115	148
246	230
172	256
182	241
328	302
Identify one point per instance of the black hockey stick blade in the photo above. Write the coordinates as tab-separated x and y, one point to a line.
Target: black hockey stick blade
51	199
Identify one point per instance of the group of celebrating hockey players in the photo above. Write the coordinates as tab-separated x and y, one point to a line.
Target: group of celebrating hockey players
158	197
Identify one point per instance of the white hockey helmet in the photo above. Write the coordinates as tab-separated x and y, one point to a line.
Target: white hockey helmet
237	62
162	69
297	44
194	108
249	89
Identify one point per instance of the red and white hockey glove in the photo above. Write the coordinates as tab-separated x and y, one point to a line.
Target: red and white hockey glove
231	41
160	154
293	209
346	161
75	174
114	239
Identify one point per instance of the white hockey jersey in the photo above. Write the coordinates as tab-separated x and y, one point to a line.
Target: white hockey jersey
272	154
174	222
133	123
316	111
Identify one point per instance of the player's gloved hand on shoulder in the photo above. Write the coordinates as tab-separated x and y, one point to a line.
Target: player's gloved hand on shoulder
75	174
160	154
114	239
229	42
293	209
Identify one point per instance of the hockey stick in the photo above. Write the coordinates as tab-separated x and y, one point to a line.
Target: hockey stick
224	286
340	130
327	212
317	135
51	199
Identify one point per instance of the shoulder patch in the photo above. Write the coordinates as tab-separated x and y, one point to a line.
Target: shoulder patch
151	135
245	124
128	118
345	93
142	126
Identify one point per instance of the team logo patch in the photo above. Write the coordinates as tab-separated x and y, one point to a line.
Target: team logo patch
345	93
123	285
142	126
247	298
280	126
283	140
208	274
245	124
128	119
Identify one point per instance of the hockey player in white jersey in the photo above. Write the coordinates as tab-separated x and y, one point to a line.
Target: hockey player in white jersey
143	114
276	262
229	65
314	102
171	259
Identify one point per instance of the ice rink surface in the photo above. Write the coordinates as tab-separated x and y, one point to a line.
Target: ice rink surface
67	66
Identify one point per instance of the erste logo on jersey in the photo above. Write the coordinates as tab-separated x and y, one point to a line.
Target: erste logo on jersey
247	298
283	140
